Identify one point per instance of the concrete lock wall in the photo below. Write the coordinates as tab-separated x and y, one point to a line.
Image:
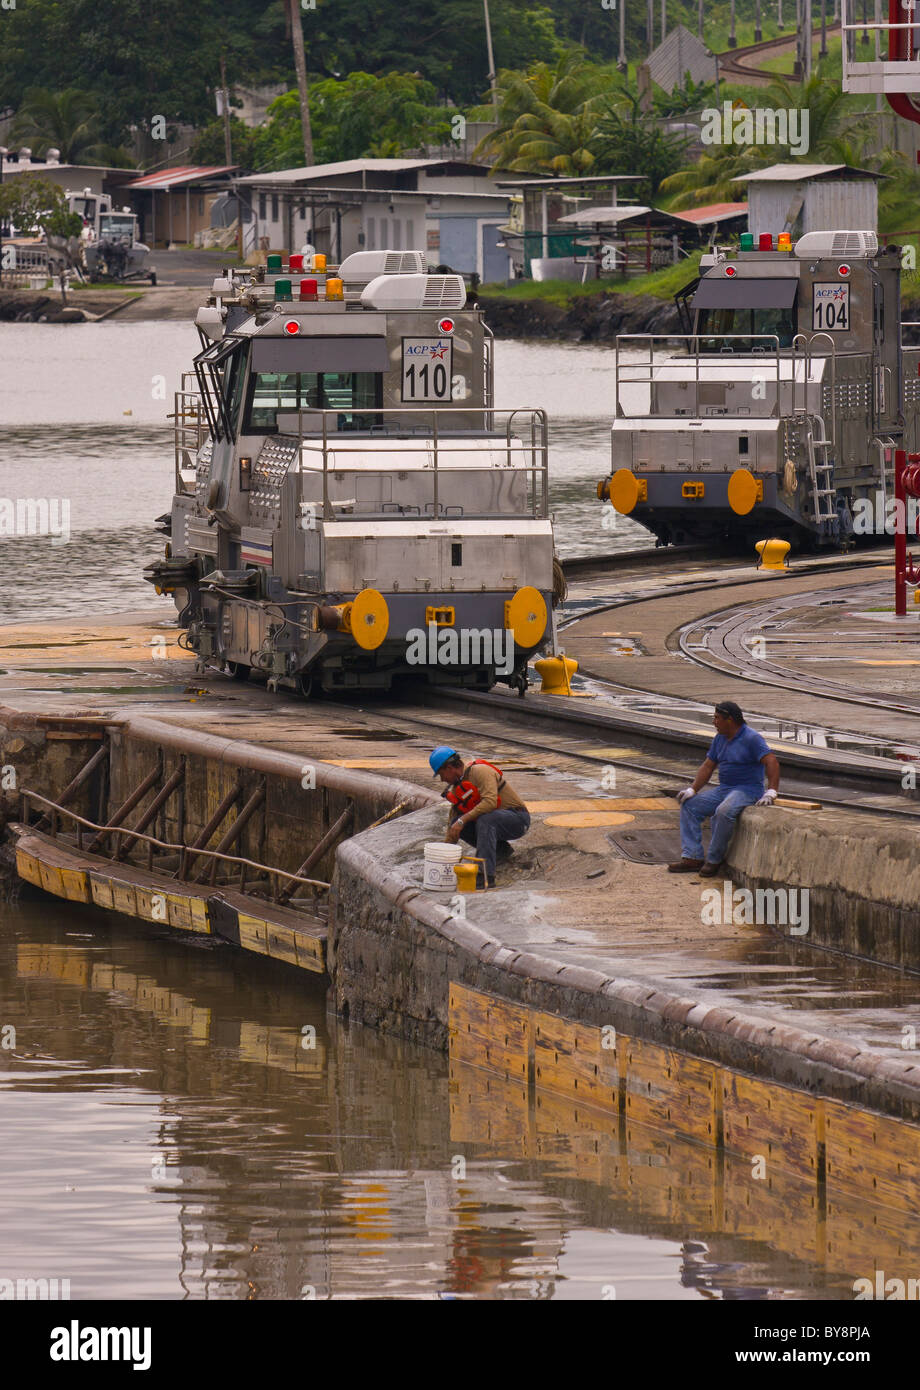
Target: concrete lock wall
863	878
394	951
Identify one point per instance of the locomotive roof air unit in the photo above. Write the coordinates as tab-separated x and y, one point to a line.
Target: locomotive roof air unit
415	292
363	266
844	246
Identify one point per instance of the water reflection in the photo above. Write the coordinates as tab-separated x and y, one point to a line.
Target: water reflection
168	1134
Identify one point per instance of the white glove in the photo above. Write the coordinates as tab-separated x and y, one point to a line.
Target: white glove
685	795
767	799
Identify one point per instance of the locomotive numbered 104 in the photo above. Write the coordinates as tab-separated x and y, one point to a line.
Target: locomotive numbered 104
778	411
350	507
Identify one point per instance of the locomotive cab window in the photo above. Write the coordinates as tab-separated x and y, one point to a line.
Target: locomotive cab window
745	308
353	395
749	324
344	374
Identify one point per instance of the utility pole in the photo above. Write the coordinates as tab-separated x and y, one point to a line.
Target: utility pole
807	37
622	65
300	65
485	6
758	31
732	40
699	18
664	20
650	27
225	102
779	15
823	53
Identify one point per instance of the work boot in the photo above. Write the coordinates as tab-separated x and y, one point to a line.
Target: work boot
482	882
709	870
503	850
685	866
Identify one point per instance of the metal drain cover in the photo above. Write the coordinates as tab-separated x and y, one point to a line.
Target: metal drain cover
647	846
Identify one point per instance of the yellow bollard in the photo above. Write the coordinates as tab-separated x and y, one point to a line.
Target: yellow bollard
773	555
465	873
556	674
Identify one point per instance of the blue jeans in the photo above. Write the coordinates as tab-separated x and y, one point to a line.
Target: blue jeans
724	804
486	830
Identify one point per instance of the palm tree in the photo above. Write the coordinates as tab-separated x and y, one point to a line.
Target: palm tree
547	116
821	99
64	120
710	179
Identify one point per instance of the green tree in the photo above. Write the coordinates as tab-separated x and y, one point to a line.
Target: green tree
629	139
208	145
361	115
36	205
547	116
66	120
709	180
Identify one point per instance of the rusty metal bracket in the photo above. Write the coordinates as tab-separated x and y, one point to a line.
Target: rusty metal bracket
232	834
128	806
333	834
79	781
173	782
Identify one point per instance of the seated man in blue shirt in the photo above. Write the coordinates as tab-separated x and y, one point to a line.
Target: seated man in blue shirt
742	757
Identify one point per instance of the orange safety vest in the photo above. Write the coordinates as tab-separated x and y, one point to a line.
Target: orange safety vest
465	795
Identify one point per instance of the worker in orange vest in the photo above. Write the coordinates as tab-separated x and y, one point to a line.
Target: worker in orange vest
485	810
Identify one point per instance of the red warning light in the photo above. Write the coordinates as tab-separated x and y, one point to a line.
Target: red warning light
843	270
730	270
292	326
446	326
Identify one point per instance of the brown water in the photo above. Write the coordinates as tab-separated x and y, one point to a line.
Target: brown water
166	1134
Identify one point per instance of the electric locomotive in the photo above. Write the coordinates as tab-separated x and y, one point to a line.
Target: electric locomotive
351	509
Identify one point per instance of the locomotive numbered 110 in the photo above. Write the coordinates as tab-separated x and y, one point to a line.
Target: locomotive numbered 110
350	507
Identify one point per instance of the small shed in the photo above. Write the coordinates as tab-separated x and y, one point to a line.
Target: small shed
800	198
173	204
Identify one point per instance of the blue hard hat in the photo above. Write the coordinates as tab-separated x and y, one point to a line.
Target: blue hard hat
438	757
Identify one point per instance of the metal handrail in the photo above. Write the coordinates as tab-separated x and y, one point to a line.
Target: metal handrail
807	356
651	338
537	449
31	796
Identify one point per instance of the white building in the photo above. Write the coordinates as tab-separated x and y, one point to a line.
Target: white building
448	208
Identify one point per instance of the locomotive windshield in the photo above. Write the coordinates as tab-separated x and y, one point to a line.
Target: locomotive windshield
745	306
352	394
712	323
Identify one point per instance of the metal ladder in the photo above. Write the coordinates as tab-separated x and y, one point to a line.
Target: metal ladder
821	473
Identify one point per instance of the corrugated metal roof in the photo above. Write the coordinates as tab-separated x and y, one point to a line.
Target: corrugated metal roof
796	173
346	166
567	182
181	174
714	212
612	217
680	53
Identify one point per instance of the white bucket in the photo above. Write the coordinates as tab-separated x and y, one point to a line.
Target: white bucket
439	866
